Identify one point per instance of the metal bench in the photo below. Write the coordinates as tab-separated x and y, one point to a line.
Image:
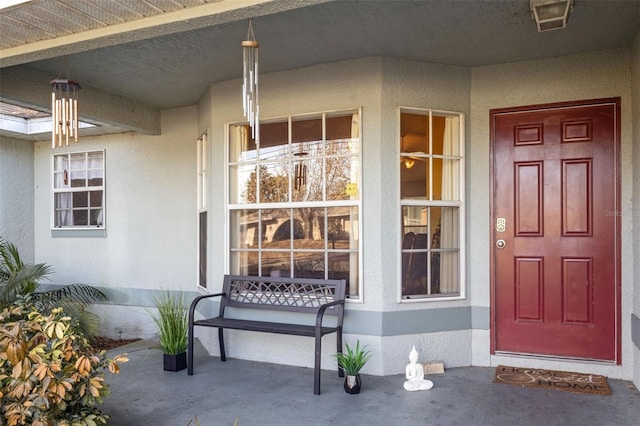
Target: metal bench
303	295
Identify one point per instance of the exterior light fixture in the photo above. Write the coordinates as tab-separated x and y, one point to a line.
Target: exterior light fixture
250	82
550	14
64	111
408	163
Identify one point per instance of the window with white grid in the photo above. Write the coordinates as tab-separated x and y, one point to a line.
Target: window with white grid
78	181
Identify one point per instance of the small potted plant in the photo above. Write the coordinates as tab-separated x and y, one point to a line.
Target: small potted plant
171	320
352	362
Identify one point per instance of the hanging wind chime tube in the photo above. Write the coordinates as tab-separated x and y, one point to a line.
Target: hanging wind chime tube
300	176
250	82
64	111
300	171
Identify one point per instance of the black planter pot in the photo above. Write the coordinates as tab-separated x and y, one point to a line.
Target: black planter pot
352	384
175	362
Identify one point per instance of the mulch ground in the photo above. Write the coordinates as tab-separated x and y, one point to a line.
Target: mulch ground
104	343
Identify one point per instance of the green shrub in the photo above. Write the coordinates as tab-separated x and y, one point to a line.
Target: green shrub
353	360
18	278
49	374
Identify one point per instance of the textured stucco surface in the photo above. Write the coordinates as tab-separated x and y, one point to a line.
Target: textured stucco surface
151	221
16	195
635	209
379	86
30	85
406	84
150	211
339	86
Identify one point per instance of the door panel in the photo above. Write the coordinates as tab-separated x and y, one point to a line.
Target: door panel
555	281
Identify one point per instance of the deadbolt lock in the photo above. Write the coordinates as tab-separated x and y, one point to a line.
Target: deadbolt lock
501	224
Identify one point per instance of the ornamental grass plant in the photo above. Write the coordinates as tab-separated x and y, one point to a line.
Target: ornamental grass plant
171	320
353	360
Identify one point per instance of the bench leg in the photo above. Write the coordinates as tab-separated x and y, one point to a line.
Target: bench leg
316	372
190	350
223	356
339	350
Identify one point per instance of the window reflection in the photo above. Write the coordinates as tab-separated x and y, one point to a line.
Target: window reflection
318	242
311	159
430	190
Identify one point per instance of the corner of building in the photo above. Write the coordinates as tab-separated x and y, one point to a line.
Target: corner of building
635	316
17	194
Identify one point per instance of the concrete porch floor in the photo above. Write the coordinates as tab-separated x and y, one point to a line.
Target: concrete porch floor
268	394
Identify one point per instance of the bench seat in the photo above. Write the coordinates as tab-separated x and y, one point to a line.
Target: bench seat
266	327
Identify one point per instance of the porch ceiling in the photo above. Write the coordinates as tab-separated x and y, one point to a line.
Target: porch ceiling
160	54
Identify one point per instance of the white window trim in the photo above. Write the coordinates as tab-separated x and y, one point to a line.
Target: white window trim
60	231
202	199
231	206
460	204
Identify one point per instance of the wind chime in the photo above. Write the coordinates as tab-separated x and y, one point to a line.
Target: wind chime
250	82
300	171
64	110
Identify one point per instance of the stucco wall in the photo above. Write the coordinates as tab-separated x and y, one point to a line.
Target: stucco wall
16	195
414	85
635	90
379	86
151	220
327	87
338	86
150	238
588	76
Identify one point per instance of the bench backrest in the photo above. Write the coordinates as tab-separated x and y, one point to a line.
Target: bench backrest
282	294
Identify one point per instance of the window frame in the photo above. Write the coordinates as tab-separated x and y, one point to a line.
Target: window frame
230	207
202	205
54	191
460	204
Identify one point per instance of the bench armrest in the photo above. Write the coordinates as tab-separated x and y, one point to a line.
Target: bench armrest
323	308
192	308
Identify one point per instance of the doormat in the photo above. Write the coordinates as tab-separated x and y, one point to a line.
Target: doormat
551	379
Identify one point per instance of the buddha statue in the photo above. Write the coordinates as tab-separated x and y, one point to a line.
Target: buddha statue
415	374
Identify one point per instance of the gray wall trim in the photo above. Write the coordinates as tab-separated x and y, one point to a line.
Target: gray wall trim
635	330
480	317
128	296
400	323
425	321
396	323
372	323
79	233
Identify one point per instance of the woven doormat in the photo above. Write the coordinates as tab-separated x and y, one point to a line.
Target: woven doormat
551	379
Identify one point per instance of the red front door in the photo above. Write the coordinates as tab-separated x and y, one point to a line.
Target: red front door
555	279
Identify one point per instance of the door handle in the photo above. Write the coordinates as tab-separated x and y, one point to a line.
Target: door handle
501	243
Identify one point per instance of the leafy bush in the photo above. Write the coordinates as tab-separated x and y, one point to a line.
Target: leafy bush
49	374
16	277
19	279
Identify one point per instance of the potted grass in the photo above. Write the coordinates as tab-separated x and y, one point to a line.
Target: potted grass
352	362
171	322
